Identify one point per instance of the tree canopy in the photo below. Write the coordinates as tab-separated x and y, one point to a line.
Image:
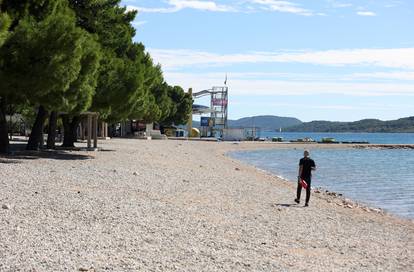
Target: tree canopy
4	27
41	59
76	55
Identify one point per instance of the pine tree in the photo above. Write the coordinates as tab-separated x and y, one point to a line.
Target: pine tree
4	139
78	97
41	59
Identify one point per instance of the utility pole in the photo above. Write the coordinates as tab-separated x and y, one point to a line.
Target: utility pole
190	119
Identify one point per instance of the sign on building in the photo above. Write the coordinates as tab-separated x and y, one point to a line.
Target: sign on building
205	122
219	102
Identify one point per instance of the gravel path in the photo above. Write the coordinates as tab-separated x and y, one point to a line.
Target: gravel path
181	206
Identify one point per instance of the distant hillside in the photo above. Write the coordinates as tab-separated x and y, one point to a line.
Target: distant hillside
366	125
264	122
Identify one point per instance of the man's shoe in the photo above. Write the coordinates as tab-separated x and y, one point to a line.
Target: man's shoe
297	200
306	204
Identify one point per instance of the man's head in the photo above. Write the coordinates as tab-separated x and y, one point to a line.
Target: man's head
306	153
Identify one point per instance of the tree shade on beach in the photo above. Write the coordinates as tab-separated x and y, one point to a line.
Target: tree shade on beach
72	56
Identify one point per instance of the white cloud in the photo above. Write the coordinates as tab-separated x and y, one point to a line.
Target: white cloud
366	13
178	5
300	105
342	107
283	6
269	87
306	77
341	5
137	24
401	75
241	6
402	58
333	107
246	6
393	4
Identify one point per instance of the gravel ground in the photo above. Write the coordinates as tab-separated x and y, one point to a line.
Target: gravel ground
181	206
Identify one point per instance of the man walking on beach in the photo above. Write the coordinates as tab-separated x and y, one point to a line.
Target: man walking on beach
306	165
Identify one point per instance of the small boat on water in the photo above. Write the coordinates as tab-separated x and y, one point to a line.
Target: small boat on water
303	140
277	139
329	140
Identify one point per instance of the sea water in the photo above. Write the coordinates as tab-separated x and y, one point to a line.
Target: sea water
373	138
381	178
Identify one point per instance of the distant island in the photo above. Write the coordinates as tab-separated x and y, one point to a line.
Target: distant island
365	125
290	124
263	122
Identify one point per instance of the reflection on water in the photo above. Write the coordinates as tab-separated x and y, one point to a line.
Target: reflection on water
380	178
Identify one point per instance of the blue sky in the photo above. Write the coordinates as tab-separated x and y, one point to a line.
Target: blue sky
312	59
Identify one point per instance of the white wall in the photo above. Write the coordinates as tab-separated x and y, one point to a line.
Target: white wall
233	134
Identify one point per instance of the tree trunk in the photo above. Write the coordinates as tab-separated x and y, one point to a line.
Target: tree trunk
51	134
36	136
4	137
10	126
74	128
66	131
82	130
70	127
111	130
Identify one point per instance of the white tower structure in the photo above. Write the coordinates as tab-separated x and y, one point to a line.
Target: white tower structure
218	109
219	106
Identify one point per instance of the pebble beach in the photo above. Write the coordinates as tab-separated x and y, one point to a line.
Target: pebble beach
173	205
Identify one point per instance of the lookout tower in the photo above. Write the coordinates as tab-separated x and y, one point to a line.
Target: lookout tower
219	103
215	124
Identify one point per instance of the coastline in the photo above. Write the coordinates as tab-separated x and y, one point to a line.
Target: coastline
183	205
330	195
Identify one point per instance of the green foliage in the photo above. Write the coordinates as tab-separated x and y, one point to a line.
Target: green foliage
164	102
5	22
181	106
110	22
149	112
81	91
168	105
41	59
184	107
154	106
77	55
37	9
157	106
28	114
120	88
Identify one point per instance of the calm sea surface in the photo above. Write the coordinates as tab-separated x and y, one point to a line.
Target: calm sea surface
373	138
378	178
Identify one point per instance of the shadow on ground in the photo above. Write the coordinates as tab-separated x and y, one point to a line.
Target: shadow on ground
287	205
106	150
18	153
8	161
